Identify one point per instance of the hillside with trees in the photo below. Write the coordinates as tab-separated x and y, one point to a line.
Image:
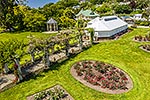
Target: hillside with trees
17	16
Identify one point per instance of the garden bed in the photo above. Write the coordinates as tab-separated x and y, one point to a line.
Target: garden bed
58	57
75	50
145	47
87	44
53	93
140	38
102	77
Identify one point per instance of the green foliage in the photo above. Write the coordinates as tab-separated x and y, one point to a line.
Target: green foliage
7	15
97	1
104	8
142	4
80	23
68	3
34	21
120	9
146	13
91	31
143	23
137	12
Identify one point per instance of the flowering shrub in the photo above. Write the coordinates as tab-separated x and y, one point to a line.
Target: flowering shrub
53	93
102	74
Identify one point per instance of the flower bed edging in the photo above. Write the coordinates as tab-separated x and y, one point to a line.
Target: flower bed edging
56	92
103	77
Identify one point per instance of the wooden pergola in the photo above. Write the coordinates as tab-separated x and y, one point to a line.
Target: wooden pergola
52	25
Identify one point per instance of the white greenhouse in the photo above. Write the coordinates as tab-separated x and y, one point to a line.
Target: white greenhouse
107	27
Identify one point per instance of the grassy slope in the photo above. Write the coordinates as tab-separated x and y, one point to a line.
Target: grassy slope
123	53
21	36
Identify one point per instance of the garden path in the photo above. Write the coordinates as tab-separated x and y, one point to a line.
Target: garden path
6	80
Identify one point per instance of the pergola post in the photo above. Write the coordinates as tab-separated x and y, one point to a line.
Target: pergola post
47	27
54	27
50	27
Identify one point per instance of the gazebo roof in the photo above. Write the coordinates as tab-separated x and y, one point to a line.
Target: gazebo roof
51	21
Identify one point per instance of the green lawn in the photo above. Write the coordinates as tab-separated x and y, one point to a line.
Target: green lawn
22	35
123	53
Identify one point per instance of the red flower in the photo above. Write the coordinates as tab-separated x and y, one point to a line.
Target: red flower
94	65
102	78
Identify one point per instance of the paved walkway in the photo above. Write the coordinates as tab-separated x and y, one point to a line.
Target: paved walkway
143	27
50	32
6	81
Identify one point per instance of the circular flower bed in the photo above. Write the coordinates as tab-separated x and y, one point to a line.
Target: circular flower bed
102	77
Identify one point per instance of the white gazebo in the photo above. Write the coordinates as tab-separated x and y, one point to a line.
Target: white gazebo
52	25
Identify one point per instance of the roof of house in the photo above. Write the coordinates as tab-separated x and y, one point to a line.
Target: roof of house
107	23
126	18
87	13
51	21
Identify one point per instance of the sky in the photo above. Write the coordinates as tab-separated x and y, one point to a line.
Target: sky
39	3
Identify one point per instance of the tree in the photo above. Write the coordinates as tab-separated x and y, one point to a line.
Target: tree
68	3
12	51
104	8
146	13
34	21
97	1
133	4
15	50
40	45
7	12
4	58
32	47
91	31
19	14
66	22
142	4
120	9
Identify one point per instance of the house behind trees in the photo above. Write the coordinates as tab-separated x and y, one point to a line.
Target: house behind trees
86	15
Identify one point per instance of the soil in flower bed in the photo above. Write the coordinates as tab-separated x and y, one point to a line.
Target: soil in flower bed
102	77
53	93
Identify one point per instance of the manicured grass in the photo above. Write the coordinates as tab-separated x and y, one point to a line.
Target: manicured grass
123	53
22	35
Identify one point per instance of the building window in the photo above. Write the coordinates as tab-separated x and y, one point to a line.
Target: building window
109	19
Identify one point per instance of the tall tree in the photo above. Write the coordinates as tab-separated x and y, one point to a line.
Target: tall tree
34	20
7	12
142	4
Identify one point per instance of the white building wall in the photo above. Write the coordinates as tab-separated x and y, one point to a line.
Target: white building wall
111	32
